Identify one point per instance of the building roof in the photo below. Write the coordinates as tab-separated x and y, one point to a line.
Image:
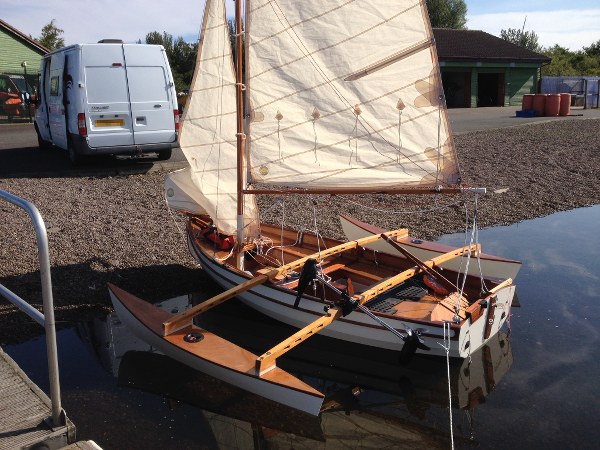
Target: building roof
27	40
478	45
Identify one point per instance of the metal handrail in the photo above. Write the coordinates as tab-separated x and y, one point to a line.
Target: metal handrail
46	319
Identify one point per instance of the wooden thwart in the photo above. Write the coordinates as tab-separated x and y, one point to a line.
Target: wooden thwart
184	319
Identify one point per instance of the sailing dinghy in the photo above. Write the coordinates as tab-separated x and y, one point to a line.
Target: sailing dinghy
337	97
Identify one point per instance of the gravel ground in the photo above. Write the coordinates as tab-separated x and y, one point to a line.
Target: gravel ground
118	229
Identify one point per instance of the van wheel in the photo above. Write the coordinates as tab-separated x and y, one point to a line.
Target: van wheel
163	155
75	158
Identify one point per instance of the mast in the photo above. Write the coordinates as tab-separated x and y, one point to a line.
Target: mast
241	137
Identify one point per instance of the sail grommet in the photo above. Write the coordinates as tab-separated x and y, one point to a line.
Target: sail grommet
193	338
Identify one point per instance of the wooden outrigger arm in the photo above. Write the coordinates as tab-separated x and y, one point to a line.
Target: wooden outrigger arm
184	319
267	360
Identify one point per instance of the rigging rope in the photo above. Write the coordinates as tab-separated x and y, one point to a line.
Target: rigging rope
446	347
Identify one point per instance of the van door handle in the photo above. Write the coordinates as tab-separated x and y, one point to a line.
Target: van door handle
158	106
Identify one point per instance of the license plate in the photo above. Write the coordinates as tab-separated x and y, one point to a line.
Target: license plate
109	123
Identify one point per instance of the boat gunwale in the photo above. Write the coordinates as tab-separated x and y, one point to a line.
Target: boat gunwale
231	269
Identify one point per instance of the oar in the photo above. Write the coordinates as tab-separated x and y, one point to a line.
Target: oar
428	270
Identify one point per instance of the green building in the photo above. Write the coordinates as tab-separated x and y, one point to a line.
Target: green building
479	69
17	48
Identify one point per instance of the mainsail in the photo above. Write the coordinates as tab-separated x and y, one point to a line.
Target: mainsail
346	93
208	130
342	93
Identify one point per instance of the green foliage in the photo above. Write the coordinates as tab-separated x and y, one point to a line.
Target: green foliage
182	57
447	13
522	38
51	36
568	63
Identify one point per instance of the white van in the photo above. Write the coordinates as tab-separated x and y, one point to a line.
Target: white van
107	98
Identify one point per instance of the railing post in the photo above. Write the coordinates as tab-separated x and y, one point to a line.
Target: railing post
58	417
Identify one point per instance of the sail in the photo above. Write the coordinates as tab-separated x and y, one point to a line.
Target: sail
346	93
208	129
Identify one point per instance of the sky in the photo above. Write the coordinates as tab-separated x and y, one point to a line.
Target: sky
574	24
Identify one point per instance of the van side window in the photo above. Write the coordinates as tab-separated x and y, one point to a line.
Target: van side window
54	86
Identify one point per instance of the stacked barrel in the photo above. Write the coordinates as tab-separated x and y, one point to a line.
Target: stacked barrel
548	105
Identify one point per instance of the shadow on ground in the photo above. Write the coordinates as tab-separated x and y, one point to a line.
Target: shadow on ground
80	293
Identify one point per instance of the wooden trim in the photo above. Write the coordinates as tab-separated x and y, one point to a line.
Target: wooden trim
267	360
319	256
358	190
403	276
490	317
182	320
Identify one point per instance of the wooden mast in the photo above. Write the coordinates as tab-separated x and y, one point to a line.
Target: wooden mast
241	137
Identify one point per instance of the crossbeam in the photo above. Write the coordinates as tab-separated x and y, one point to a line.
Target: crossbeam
267	360
185	318
403	276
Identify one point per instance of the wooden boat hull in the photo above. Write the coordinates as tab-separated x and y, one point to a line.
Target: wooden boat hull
213	355
491	266
278	303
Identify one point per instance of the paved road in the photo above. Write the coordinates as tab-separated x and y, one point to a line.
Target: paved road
20	157
466	120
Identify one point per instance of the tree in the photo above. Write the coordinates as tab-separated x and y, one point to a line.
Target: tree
593	50
181	55
448	14
522	38
561	64
51	36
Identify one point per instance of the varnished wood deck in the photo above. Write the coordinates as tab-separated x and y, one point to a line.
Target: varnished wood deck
24	409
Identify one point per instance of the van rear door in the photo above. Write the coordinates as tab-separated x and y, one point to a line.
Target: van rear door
57	101
151	94
107	96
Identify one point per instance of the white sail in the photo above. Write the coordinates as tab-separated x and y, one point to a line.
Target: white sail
208	129
346	93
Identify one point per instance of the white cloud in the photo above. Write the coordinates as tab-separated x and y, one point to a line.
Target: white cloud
573	29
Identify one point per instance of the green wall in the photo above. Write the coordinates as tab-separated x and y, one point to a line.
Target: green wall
518	79
13	51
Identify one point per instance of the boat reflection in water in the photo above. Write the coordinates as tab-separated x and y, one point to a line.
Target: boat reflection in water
372	401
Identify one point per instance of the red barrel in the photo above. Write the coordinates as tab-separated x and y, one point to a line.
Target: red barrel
539	104
565	105
552	105
527	102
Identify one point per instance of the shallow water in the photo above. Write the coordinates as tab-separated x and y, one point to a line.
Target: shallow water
534	388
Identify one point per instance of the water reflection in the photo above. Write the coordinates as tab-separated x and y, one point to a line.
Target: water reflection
371	401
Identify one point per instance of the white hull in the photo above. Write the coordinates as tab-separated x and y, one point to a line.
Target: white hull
491	266
358	327
307	400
